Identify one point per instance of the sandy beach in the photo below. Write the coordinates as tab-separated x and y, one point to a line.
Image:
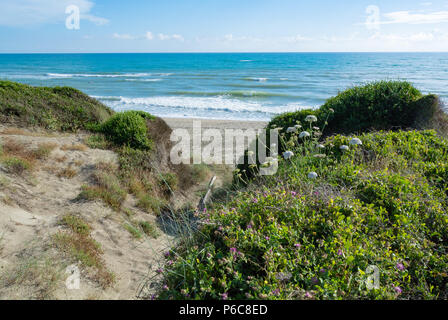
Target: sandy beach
187	123
222	126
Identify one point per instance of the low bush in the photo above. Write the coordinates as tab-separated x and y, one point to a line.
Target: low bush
129	129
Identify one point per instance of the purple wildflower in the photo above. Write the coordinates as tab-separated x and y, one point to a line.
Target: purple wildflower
297	245
293	193
165	287
276	292
170	262
160	270
314	280
233	250
340	252
398	290
255	200
225	296
400	266
267	238
308	295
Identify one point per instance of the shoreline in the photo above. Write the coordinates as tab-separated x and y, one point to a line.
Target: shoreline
187	123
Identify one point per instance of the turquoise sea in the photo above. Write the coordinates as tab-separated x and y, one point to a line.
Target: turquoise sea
249	86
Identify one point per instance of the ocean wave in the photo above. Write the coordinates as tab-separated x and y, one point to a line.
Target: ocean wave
144	80
260	86
198	103
233	94
256	79
99	75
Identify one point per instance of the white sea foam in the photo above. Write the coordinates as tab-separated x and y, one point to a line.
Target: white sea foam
144	80
99	75
199	103
256	79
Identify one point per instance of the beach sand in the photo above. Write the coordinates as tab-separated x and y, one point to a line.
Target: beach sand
185	123
222	126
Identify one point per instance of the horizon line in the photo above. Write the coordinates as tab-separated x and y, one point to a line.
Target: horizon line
221	52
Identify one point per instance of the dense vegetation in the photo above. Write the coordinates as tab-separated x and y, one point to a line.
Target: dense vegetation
338	209
383	105
59	108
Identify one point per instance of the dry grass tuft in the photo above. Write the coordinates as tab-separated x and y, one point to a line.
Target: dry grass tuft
17	158
67	173
78	245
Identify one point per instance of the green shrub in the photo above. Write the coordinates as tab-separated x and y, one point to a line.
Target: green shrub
128	128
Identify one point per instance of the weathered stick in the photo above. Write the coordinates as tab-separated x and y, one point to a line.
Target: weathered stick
204	200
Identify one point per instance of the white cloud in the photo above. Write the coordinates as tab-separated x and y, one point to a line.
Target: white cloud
416	37
31	12
164	37
228	37
148	36
177	37
296	38
123	36
415	18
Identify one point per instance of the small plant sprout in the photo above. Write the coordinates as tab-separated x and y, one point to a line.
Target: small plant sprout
344	148
312	175
355	142
304	134
311	118
288	155
291	130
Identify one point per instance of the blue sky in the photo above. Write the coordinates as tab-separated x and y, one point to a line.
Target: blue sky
224	26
